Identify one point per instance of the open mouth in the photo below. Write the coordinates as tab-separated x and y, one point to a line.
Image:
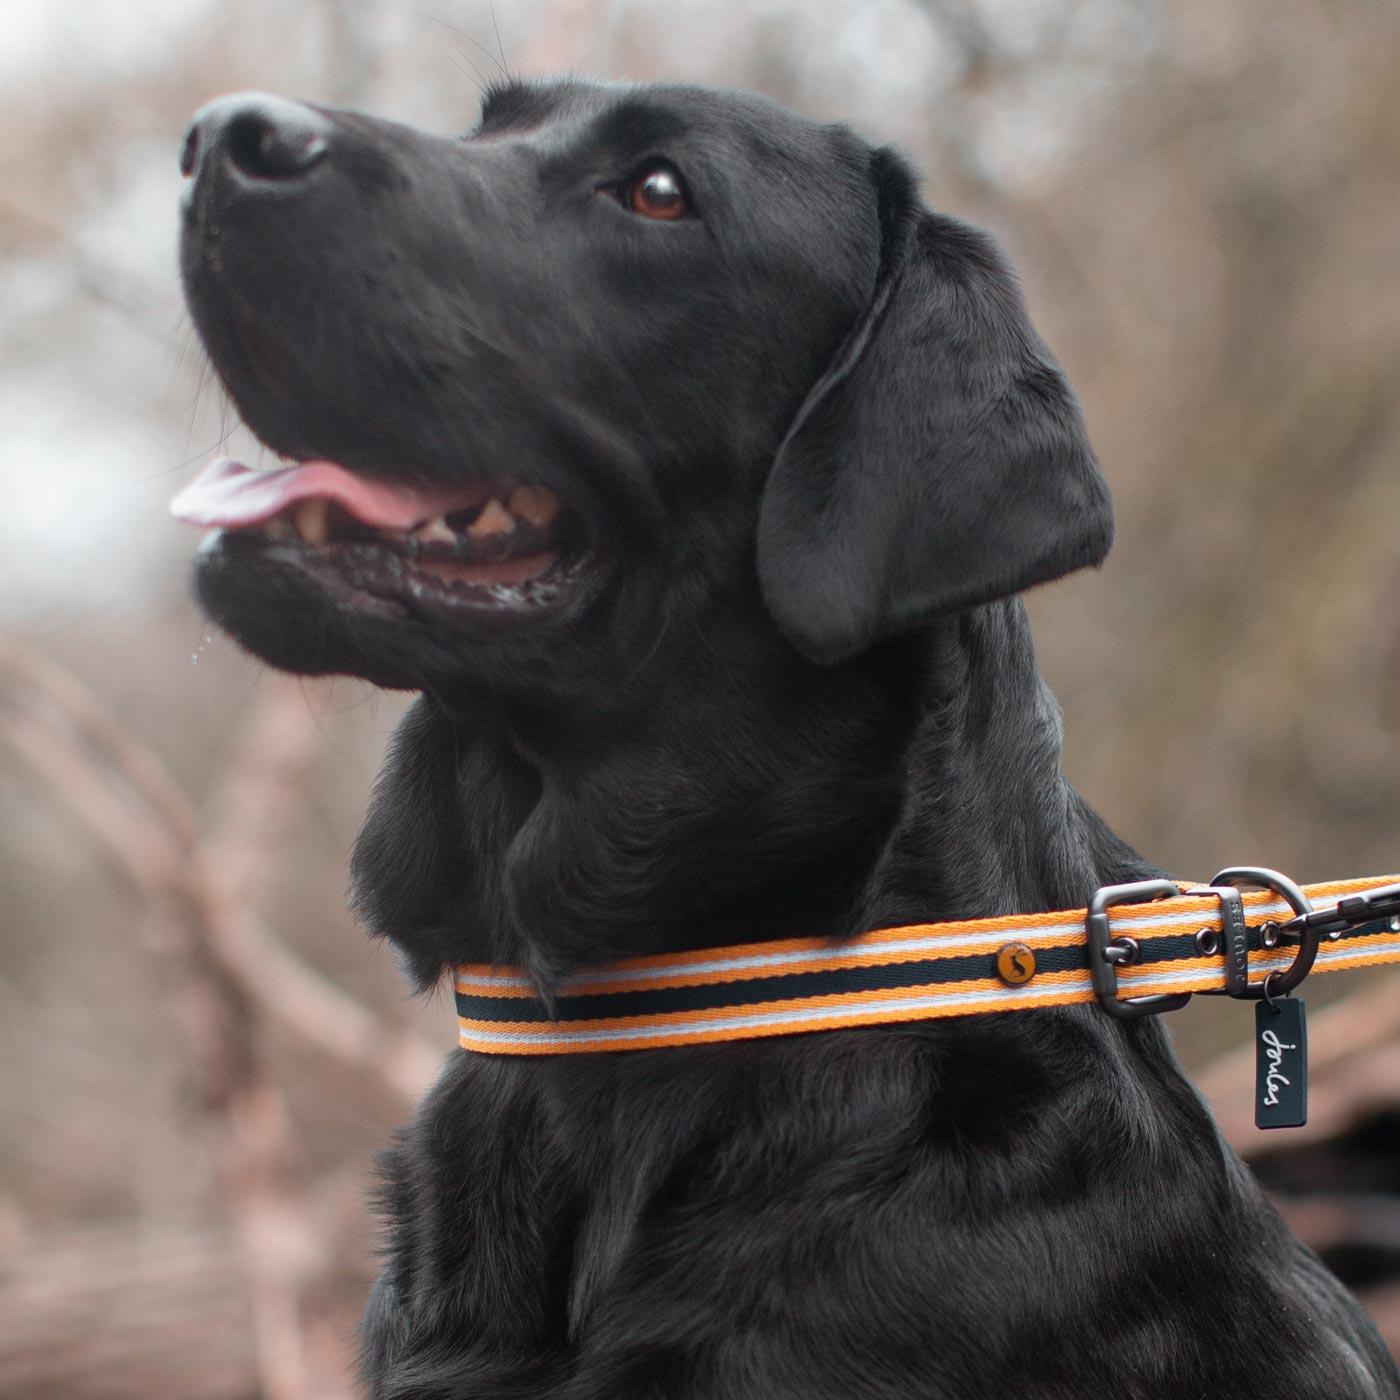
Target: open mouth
487	544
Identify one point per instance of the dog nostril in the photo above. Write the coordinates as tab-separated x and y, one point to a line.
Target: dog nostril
189	153
273	148
257	136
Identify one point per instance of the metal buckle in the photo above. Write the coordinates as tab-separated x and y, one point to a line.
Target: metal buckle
1107	954
1280	983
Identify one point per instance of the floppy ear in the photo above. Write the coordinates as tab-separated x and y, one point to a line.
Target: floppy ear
940	462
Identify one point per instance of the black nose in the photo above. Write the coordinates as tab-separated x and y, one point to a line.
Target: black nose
259	136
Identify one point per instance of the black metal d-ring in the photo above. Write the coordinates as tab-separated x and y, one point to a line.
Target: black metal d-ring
1276	983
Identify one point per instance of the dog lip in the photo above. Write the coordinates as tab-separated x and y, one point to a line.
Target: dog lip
372	578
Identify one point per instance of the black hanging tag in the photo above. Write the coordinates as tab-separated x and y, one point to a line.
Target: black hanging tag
1280	1063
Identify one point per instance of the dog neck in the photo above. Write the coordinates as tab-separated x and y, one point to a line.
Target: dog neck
991	826
921	782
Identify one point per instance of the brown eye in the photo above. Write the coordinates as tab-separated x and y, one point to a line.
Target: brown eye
657	195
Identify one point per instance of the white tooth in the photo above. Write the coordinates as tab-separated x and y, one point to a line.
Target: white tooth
535	504
436	529
494	520
311	520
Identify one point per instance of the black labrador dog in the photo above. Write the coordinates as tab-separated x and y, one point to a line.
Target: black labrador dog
689	466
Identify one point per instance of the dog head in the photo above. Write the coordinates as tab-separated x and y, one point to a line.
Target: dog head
615	350
629	427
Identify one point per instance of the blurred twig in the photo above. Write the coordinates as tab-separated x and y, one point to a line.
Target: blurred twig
110	1313
93	767
195	873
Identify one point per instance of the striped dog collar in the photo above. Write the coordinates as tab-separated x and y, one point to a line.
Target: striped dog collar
1131	959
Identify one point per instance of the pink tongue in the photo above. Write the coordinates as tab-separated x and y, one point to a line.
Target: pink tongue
230	494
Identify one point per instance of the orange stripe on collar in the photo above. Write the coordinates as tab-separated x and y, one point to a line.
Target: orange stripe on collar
1169	947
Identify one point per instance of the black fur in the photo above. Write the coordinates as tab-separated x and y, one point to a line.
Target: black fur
821	448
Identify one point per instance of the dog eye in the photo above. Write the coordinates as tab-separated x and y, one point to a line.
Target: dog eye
657	194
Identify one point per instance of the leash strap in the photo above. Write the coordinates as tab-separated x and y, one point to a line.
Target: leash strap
1167	949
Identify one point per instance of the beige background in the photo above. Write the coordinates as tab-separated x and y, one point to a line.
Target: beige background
198	1053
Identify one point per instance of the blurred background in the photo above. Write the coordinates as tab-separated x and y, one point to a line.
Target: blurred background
199	1053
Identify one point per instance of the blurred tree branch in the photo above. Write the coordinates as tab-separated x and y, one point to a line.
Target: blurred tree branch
123	797
192	874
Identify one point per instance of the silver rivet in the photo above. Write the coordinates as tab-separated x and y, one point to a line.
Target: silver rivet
1208	942
1268	933
1122	952
1395	923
